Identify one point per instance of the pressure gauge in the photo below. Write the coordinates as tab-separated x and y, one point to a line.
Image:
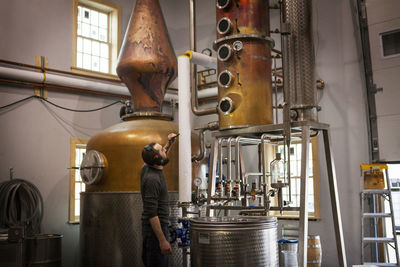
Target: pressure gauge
92	167
197	181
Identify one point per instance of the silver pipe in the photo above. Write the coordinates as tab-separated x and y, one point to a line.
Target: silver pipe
237	162
286	87
193	69
220	158
266	198
202	153
276	94
229	166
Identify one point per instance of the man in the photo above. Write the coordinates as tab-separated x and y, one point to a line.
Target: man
155	214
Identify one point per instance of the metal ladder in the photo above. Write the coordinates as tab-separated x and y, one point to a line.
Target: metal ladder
385	194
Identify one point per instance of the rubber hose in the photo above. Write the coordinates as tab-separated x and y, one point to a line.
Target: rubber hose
21	204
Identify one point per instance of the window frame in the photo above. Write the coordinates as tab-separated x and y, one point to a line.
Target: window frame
381	34
295	215
74	143
114	35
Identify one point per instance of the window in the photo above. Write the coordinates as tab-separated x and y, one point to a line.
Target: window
390	43
96	34
78	149
313	180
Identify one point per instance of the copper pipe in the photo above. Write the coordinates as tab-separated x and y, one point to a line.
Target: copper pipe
193	70
276	51
58	71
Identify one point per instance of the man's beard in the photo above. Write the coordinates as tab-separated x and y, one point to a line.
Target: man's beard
164	161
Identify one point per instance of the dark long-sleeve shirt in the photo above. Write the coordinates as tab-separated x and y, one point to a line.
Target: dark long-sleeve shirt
154	195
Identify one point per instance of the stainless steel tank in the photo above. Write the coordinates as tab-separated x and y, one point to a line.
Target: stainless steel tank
233	241
112	234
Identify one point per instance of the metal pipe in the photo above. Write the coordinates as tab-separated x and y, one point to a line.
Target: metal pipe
201	59
220	159
285	27
52	80
202	153
229	166
266	197
44	69
237	162
193	70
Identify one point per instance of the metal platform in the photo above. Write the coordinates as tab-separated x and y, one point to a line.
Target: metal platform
301	130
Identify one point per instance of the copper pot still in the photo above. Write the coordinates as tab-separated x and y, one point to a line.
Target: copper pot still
244	63
111	207
147	63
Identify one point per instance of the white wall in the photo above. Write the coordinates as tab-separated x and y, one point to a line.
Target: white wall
384	16
35	141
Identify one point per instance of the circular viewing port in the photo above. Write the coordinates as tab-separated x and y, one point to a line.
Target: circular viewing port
224	52
224	26
221	4
225	105
225	79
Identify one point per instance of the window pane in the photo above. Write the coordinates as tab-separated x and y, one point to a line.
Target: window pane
85	15
87	46
87	62
79	60
77	190
104	50
94	32
83	187
103	20
79	28
80	45
94	20
95	48
103	35
86	30
77	207
95	63
104	65
77	176
79	13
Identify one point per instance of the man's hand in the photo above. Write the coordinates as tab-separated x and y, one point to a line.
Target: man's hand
165	247
171	139
172	136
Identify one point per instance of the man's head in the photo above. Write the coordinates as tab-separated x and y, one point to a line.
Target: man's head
154	154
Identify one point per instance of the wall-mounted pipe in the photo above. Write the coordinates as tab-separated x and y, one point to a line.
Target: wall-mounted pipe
193	70
14	74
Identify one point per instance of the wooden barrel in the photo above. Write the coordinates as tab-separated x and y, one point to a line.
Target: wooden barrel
314	251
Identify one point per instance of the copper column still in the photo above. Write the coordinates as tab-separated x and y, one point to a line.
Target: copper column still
244	63
110	231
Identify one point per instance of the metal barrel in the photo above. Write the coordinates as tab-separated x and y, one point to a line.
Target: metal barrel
233	241
111	232
43	250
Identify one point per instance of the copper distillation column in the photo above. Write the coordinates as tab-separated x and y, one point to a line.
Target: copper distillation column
244	47
111	207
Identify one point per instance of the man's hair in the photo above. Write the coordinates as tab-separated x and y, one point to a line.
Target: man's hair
149	154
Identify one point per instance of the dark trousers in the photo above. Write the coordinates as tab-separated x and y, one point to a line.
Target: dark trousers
151	253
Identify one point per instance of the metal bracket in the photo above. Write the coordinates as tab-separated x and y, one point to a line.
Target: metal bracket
42	62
